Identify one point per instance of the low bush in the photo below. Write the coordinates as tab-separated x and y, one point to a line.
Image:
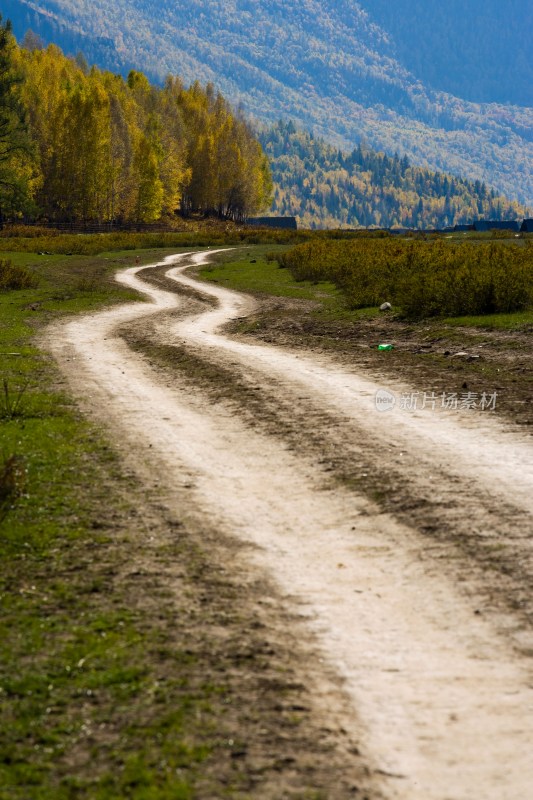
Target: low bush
15	277
198	233
95	243
27	231
422	278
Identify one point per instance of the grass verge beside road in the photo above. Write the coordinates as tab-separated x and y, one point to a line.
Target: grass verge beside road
133	662
80	665
252	270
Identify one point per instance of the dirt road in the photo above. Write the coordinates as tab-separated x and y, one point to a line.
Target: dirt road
403	537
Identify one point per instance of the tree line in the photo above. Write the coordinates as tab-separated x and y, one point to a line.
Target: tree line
325	187
82	144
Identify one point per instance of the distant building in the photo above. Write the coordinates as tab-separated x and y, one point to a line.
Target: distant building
463	228
527	226
496	225
289	223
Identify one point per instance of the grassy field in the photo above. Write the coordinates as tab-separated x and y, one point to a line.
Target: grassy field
422	279
515	320
253	270
495	348
195	235
249	270
95	701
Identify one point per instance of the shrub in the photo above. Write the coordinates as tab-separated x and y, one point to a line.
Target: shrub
27	231
14	277
422	278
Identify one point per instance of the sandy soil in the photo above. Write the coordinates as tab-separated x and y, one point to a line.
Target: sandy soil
403	537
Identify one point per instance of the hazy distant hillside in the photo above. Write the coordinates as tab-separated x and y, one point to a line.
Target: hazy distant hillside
326	64
480	50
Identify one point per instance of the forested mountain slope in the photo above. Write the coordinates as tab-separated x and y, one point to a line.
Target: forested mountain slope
328	65
324	187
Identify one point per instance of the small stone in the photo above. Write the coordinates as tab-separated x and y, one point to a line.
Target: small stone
385	307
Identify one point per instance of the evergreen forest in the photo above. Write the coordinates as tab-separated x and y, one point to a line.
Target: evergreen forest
325	187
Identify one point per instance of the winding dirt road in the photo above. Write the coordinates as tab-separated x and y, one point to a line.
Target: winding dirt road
422	607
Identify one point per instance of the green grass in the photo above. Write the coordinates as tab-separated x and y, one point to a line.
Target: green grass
117	686
247	269
33	260
77	679
513	321
250	270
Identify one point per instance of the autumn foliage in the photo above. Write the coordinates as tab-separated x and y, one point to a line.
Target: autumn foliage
101	148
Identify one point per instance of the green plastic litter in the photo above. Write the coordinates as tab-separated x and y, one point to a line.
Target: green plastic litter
385	346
